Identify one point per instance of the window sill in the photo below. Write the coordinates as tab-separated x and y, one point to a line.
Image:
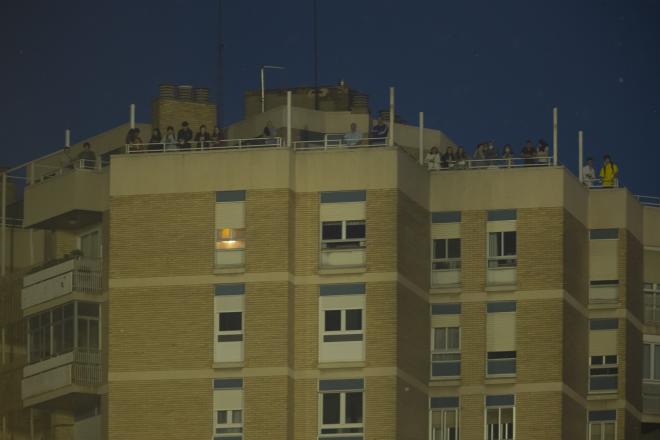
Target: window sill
603	305
445	289
603	395
501	287
445	381
341	270
223	270
500	379
335	365
223	365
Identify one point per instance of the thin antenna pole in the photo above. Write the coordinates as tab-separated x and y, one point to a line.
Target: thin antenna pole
221	74
316	57
391	129
288	118
580	155
555	141
421	138
3	239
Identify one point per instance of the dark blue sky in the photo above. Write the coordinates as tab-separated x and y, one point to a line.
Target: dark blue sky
478	69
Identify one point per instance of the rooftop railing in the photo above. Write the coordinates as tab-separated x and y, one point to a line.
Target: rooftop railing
78	164
339	140
480	164
223	144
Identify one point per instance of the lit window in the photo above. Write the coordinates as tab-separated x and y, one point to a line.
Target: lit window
230	238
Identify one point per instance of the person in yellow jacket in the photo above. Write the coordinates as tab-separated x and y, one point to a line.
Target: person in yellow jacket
609	172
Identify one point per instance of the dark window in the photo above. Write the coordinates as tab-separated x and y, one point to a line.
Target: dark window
331	231
509	243
439	249
354	319
355	229
454	248
353	407
88	309
330	408
332	320
230	321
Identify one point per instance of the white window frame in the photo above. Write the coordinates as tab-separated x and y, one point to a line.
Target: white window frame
653	290
500	428
359	427
326	245
652	361
444	435
230	332
500	260
452	263
602	431
342	330
79	238
449	352
601	367
514	358
235	429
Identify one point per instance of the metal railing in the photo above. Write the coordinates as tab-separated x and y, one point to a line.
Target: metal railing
223	144
77	164
438	164
88	275
339	140
86	367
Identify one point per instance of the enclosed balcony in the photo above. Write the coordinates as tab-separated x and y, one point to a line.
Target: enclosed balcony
60	278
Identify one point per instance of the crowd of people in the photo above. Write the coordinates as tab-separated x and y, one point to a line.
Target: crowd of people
487	155
182	140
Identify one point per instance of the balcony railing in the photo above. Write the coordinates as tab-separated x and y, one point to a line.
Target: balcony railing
339	140
223	144
41	173
65	276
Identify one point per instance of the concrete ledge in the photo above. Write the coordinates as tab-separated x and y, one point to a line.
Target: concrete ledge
342	270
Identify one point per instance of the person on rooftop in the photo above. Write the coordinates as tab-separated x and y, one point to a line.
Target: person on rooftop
87	158
169	143
491	153
609	173
507	154
448	160
433	159
588	172
479	156
216	136
184	136
129	136
542	153
379	132
461	158
353	137
202	138
528	153
155	140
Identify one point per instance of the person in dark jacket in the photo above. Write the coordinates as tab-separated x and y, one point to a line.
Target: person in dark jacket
184	136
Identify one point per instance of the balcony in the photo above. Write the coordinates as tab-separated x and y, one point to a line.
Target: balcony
651	397
62	278
67	198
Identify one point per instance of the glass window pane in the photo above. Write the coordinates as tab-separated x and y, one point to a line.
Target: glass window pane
494	244
332	320
510	243
67	336
353	407
646	361
237	416
82	334
57	339
356	229
331	231
354	319
88	309
93	334
439	249
609	431
439	337
454	248
222	417
595	431
68	310
330	408
656	354
453	338
230	321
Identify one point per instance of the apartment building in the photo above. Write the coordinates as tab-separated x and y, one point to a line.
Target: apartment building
295	287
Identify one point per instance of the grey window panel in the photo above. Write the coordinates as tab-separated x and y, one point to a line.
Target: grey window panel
228	438
501	400
502	214
219	384
230	289
343	196
445	309
446	217
342	289
602	416
501	366
444	402
604	324
341	338
598	383
604	234
446	369
604	283
230	338
341	384
230	196
501	306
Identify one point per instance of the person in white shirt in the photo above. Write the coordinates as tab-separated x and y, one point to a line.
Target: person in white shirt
432	159
353	137
588	172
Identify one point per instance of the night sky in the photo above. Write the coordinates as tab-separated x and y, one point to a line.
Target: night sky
479	70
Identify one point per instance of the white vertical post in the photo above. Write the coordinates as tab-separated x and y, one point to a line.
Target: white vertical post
391	131
3	226
421	138
555	141
67	138
288	118
580	155
132	115
263	93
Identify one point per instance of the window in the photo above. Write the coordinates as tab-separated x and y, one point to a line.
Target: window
228	409
347	234
341	407
229	303
90	244
230	228
501	362
651	361
501	249
343	325
651	302
88	326
501	338
603	373
447	254
603	291
446	353
602	425
343	229
444	424
341	322
500	412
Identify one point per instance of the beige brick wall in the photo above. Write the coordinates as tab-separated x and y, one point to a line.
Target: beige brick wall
381	227
161	409
538	340
473	343
573	419
540	248
305	417
412	421
161	328
306	326
267	407
173	112
576	258
380	408
538	416
380	329
575	355
161	235
472	416
413	334
307	235
473	251
267	224
414	241
631	272
266	324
